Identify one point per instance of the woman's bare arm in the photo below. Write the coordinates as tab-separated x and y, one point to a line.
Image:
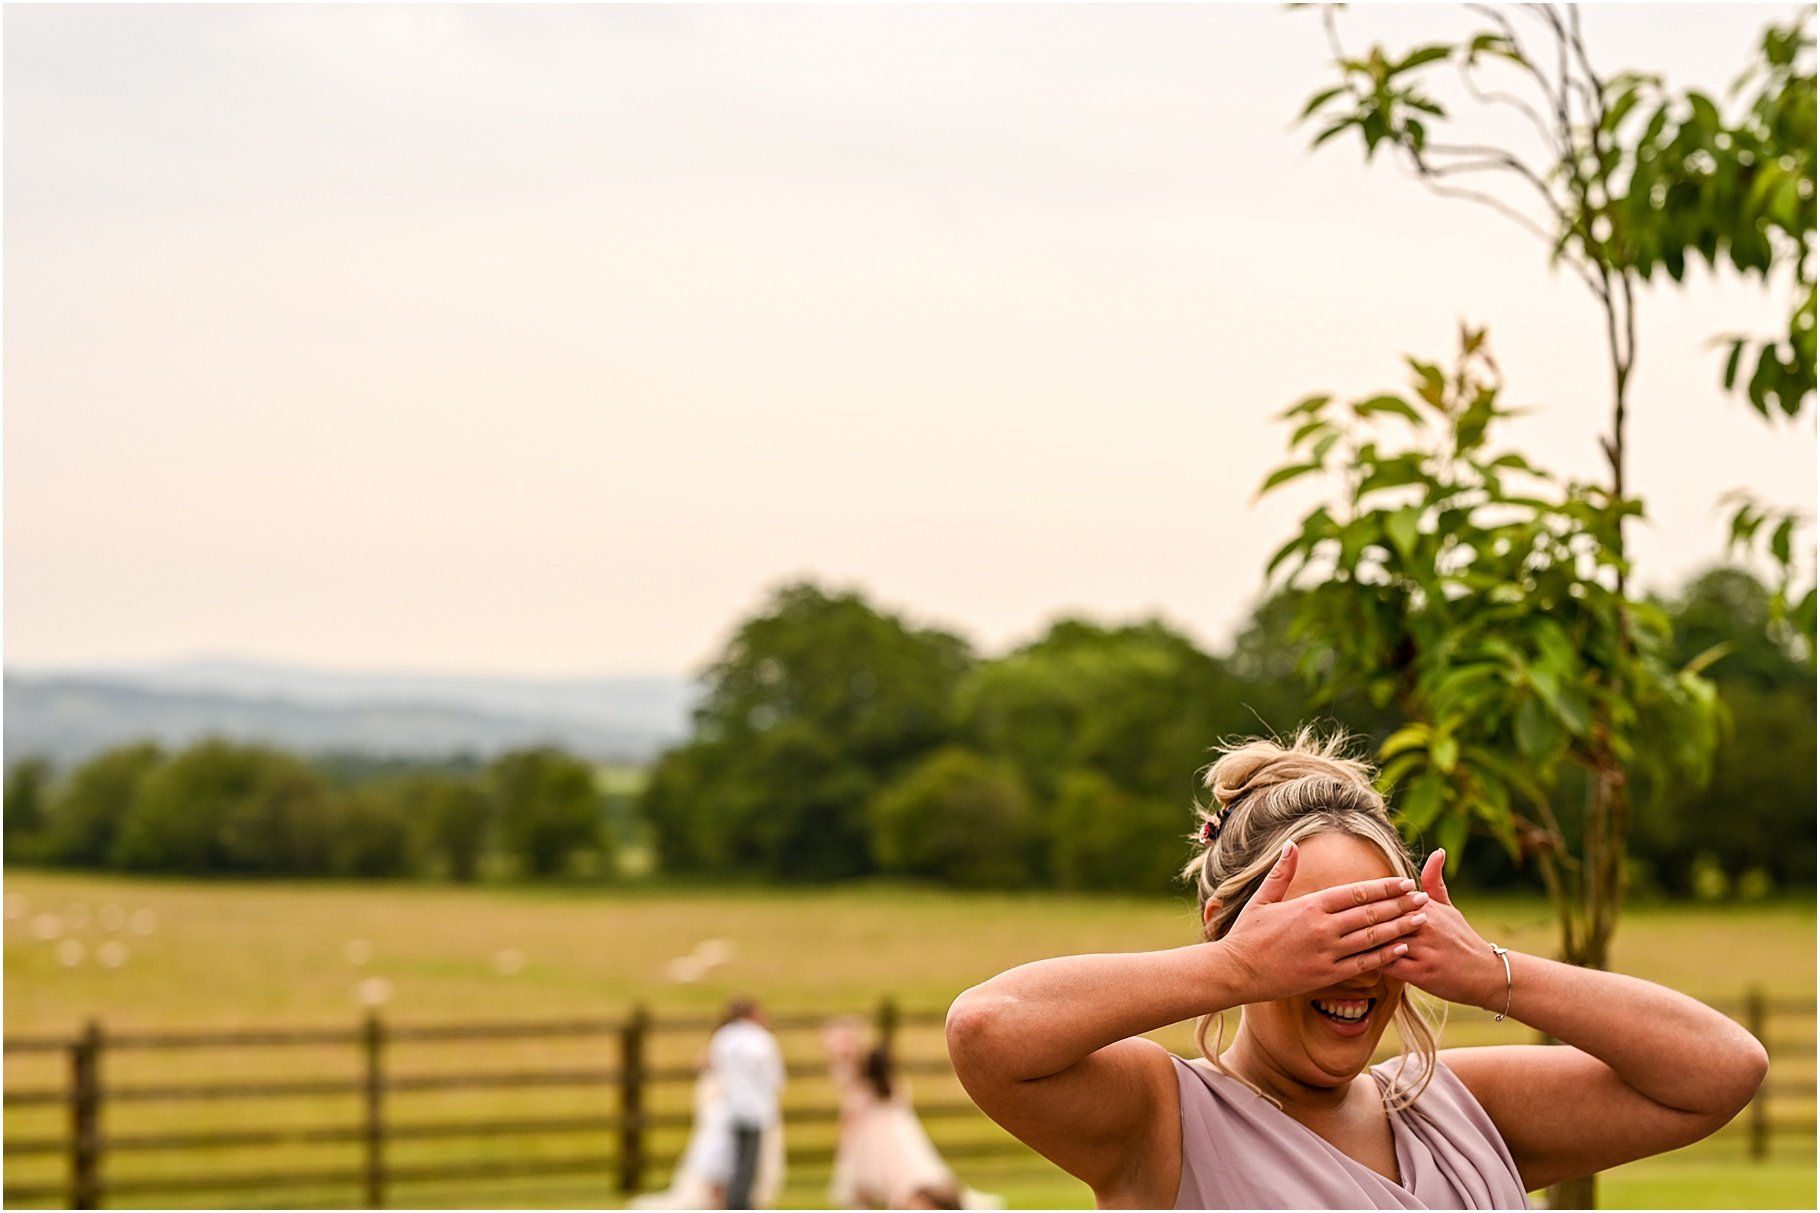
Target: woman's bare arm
1050	1050
1641	1068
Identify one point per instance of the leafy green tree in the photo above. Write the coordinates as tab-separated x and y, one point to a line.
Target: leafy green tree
546	805
223	808
454	818
1102	836
956	817
1723	617
1754	822
370	836
1632	180
818	701
1140	704
1472	591
85	816
27	790
1269	654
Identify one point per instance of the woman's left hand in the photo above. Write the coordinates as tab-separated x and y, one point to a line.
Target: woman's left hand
1446	956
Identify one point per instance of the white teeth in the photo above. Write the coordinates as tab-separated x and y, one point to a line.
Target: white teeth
1350	1011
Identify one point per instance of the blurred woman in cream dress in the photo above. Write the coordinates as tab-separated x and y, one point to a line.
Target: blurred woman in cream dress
884	1159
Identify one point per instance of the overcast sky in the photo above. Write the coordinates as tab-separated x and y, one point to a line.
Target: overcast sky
546	340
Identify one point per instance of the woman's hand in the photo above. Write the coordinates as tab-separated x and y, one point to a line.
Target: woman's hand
1446	957
1289	948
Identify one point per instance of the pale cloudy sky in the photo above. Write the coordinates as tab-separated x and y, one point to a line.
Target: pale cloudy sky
545	340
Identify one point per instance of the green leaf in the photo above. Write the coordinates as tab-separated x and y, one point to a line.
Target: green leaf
1387	404
1393	473
1779	541
1409	737
1331	131
1730	378
1284	475
1305	429
1708	656
1705	118
1620	110
1324	445
1321	98
1312	404
1423	802
1445	752
1537	733
1422	55
1393	771
1401	527
1431	384
1283	553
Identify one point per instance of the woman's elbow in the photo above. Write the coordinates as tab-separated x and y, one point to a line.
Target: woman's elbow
1738	1080
974	1020
1752	1068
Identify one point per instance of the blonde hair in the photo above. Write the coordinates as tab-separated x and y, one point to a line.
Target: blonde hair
1266	794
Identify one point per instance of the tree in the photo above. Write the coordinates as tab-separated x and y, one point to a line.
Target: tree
223	808
546	805
1102	836
1752	826
1472	590
817	702
85	816
1139	703
454	817
956	817
1632	180
27	787
371	836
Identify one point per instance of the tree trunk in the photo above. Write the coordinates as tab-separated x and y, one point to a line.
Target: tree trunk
1599	886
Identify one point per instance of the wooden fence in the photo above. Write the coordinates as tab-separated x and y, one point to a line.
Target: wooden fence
626	1086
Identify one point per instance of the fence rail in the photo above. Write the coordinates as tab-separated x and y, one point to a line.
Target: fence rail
631	1081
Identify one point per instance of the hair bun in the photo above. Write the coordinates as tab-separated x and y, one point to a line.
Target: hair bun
1260	763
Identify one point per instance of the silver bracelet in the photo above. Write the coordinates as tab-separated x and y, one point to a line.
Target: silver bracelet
1503	954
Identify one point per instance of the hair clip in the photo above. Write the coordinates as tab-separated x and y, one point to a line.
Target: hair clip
1210	829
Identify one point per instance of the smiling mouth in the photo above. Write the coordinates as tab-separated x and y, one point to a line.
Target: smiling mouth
1345	1010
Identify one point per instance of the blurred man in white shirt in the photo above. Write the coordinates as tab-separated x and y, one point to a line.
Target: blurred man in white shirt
750	1067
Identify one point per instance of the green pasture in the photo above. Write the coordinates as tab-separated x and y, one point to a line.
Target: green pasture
213	955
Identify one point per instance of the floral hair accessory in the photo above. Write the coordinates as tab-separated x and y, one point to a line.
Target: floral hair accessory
1210	829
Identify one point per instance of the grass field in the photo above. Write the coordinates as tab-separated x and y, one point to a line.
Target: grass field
198	955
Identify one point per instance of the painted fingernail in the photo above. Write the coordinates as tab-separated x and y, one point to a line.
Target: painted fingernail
1420	899
1407	885
1399	949
1418	919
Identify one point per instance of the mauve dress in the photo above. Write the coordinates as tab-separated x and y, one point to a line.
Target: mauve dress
1240	1151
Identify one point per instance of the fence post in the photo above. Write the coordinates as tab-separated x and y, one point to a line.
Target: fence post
887	1025
632	1100
1756	1018
373	1042
85	1118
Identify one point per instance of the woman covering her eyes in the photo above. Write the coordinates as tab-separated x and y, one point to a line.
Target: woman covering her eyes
1316	925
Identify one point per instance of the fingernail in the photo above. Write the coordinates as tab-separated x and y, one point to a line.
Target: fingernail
1420	899
1285	852
1418	919
1407	885
1399	949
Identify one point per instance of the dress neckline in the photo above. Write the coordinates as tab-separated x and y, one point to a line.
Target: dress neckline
1399	1132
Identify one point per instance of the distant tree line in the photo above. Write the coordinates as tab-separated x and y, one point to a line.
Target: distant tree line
220	808
837	740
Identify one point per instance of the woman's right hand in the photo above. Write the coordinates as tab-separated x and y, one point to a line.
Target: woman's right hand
1286	948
